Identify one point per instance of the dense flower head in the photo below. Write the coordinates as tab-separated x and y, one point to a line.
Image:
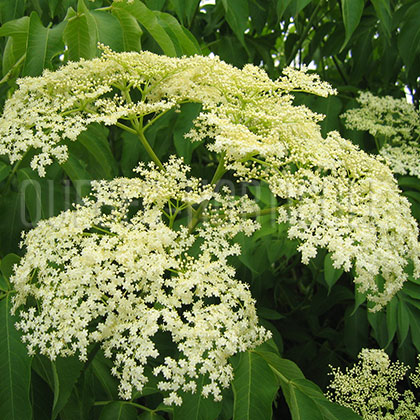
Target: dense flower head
403	159
338	197
371	388
113	272
61	104
398	122
393	118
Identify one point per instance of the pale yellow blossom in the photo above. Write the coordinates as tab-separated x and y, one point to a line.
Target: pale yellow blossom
371	388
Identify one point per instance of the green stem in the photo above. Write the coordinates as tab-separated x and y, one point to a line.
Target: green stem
342	75
126	128
153	120
14	170
104	9
220	171
126	402
305	32
262	212
139	132
9	74
107	232
149	149
137	124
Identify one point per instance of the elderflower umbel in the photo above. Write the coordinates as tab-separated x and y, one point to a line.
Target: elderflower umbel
403	159
111	271
370	388
398	122
338	197
393	118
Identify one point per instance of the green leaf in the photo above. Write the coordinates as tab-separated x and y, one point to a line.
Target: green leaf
95	140
403	321
377	321
285	369
7	265
66	372
252	255
412	289
263	193
409	35
52	7
42	197
297	6
184	41
196	407
80	403
352	13
41	397
183	124
415	208
102	371
229	49
254	388
268	313
415	195
4	170
383	11
16	27
414	326
148	19
409	182
78	175
30	187
4	284
42	366
118	410
391	318
185	10
305	404
356	331
130	153
12	209
108	29
281	7
11	9
15	48
414	199
81	41
155	4
150	415
237	15
9	59
331	274
131	31
304	398
15	368
43	45
331	107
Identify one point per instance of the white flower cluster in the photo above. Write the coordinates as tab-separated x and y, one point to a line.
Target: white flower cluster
111	271
403	159
370	388
338	197
398	122
395	119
